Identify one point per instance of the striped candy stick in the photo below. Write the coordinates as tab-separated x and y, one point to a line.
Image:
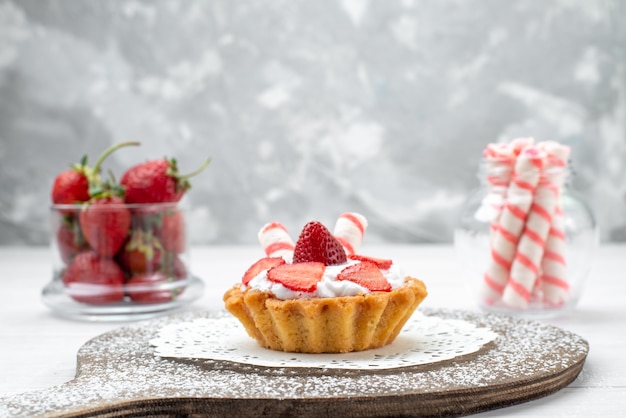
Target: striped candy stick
525	269
519	144
349	230
276	241
499	162
511	223
530	249
553	284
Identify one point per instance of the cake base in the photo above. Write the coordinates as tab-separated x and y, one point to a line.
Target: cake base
325	325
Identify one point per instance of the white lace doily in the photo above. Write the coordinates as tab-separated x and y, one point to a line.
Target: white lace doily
423	340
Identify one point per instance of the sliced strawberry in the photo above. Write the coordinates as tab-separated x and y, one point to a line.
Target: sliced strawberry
263	264
299	277
382	263
366	274
316	243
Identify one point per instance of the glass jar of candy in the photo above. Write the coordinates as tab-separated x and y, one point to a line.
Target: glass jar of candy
525	239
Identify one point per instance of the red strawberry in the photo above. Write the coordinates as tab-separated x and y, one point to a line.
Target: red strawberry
141	253
172	232
382	263
262	264
148	217
173	266
300	277
73	185
151	288
156	181
166	223
316	243
366	274
95	280
105	223
69	238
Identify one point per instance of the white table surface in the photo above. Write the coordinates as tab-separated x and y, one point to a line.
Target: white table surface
38	349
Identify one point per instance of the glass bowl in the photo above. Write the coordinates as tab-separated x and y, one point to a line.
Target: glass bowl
473	242
119	261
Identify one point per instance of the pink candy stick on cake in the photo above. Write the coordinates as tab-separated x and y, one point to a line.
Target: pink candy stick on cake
349	231
276	241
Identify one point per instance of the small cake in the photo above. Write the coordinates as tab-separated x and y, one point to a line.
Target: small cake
321	296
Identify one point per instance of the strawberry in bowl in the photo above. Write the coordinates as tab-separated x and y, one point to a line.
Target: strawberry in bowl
118	248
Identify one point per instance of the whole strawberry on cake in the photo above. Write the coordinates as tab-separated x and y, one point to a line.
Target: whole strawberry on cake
320	295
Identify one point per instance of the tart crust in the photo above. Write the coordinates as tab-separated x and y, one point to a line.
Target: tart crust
325	325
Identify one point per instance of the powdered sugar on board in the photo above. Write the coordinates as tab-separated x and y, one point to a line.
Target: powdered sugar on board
119	370
422	340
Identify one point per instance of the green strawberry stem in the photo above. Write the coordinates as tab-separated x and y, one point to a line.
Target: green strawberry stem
193	173
109	151
98	188
81	167
182	180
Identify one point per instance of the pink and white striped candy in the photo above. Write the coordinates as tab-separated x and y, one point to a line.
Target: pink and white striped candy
499	162
349	231
526	267
553	281
511	222
276	241
553	284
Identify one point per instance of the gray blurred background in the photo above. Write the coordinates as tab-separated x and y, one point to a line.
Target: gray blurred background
310	108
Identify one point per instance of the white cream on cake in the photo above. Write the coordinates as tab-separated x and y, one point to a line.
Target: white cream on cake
328	287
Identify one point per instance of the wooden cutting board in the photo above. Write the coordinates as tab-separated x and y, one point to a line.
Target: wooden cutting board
118	375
